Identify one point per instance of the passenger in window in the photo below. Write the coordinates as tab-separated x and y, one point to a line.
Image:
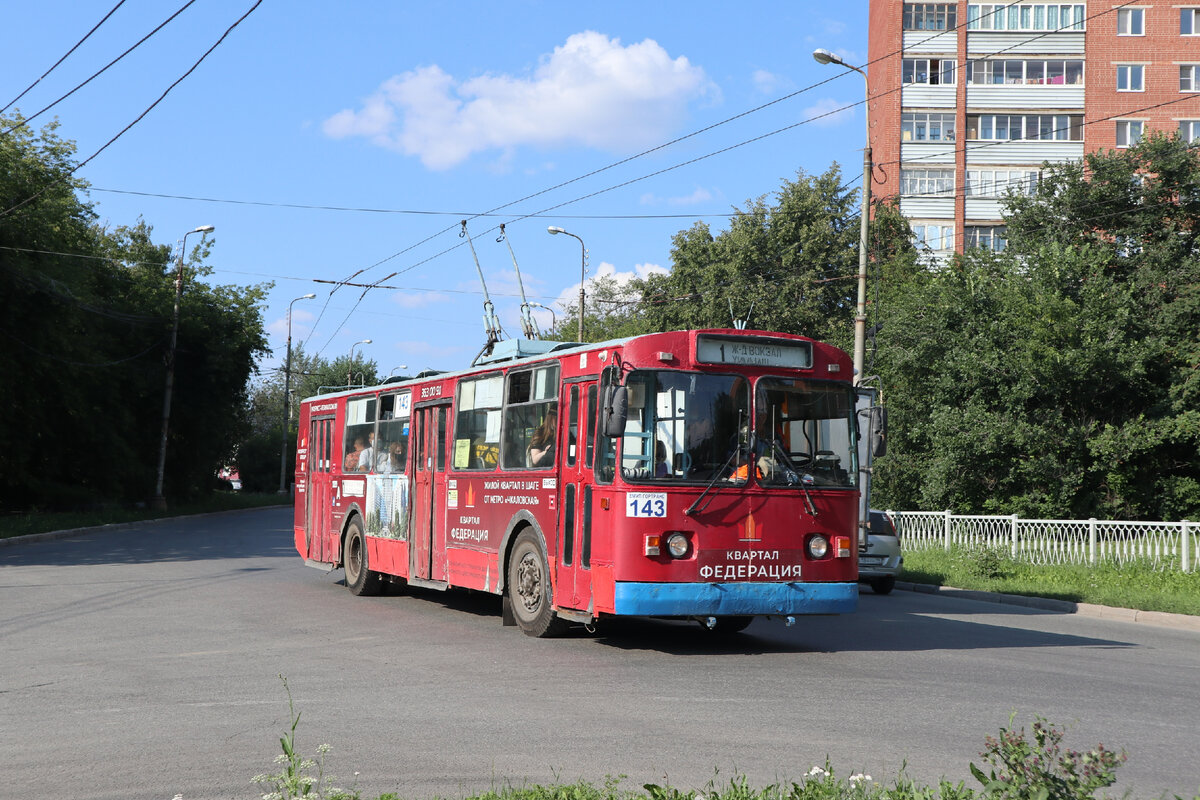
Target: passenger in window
661	468
354	455
392	460
366	459
541	444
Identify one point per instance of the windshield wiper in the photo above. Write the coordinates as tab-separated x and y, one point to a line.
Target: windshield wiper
716	477
792	473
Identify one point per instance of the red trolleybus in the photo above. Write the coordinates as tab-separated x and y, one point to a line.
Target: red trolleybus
705	474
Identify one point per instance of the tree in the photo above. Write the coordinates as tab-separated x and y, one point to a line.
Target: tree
788	267
258	452
1060	377
86	314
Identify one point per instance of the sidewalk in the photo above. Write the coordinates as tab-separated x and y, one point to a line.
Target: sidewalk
1162	619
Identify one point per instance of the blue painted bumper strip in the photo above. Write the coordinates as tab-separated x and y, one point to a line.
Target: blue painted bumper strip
720	599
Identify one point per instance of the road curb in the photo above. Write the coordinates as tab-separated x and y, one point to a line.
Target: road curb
47	536
1160	619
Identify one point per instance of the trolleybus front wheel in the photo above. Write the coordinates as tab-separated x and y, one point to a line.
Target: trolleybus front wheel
529	589
359	577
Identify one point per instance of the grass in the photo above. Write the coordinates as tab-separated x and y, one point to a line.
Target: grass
1140	585
43	521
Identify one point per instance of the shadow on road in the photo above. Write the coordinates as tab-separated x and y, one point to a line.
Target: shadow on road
905	622
265	533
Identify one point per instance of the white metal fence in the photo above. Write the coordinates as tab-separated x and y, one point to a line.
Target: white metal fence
1055	541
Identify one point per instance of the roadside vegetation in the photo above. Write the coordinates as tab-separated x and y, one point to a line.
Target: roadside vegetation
1141	586
35	521
1015	764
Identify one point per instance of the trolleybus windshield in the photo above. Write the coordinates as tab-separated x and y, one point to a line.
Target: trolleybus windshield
805	433
685	426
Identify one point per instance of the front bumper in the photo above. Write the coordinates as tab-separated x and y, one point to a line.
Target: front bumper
733	599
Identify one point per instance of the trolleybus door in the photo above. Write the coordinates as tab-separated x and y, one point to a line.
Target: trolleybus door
429	485
574	568
318	493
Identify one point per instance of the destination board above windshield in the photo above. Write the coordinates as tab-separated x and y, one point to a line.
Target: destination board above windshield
756	351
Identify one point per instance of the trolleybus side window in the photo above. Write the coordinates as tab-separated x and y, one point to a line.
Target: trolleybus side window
477	424
591	423
360	435
606	453
573	425
391	443
531	419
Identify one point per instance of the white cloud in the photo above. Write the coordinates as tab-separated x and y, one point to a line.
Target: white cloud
418	299
279	327
769	83
699	195
824	112
590	91
570	294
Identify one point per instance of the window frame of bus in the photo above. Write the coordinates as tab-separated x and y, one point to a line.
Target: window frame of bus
472	450
552	371
391	421
604	468
364	427
650	479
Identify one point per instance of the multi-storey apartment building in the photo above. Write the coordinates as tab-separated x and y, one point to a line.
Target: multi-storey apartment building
968	99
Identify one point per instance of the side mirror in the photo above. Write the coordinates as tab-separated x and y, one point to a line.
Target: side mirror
878	431
614	411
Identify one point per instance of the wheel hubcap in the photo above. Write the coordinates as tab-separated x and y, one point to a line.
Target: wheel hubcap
529	582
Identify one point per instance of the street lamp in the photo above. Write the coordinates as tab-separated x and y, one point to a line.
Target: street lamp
350	367
287	392
823	56
158	501
582	271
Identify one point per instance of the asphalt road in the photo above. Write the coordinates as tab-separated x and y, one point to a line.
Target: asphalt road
144	664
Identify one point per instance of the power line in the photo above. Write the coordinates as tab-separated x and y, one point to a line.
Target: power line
64	58
151	107
99	72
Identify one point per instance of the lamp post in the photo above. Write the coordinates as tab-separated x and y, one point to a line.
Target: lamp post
582	271
823	56
159	501
287	396
350	367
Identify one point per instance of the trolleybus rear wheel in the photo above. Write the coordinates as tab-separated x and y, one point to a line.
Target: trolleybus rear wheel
359	577
529	589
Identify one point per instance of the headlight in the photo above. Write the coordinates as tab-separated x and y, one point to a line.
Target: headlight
678	545
818	546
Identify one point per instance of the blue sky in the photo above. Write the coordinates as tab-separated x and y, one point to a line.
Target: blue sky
455	108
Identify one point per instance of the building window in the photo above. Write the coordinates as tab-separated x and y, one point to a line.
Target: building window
988	237
933	236
930	16
933	71
1131	78
1039	72
1189	78
927	182
999	182
926	127
1131	22
1129	132
1189	130
1189	21
1043	127
1026	16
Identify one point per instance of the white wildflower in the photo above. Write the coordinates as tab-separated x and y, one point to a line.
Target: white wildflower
859	778
812	773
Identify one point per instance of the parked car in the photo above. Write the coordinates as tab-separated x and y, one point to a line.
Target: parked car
879	563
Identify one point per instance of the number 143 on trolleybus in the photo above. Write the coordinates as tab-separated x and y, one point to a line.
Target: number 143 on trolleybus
710	475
